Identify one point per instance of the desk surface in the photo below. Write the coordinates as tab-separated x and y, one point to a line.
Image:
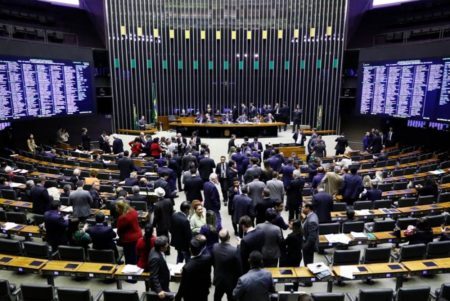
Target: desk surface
227	125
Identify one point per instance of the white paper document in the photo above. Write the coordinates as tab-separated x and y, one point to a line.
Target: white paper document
363	212
8	226
175	269
66	209
347	271
131	269
338	238
358	235
318	267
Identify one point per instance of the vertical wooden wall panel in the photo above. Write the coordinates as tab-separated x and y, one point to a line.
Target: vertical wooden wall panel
254	51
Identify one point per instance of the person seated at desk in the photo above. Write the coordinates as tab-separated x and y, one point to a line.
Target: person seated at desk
92	178
370	193
421	234
209	118
50	154
242	119
269	118
200	118
142	123
132	180
102	235
428	188
227	118
136	196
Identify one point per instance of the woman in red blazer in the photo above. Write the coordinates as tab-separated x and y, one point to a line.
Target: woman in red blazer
128	230
144	246
155	148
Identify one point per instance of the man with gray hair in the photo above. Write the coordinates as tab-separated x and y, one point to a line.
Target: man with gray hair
332	181
136	196
227	267
81	201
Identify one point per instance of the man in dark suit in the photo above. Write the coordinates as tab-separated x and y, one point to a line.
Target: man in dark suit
136	196
132	179
257	284
162	213
125	165
389	139
299	137
196	274
256	145
341	145
164	184
227	267
323	205
213	192
242	205
253	240
193	187
310	234
377	143
102	235
205	167
172	176
180	231
40	197
159	271
222	174
273	239
284	115
352	186
231	142
175	165
294	195
297	118
187	160
117	146
55	226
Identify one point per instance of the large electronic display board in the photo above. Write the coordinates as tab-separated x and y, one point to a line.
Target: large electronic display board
36	88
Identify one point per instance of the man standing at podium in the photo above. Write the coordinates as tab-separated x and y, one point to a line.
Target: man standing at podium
297	118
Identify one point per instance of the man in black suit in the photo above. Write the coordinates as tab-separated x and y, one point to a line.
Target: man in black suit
231	142
40	197
256	145
242	206
180	230
159	271
261	207
253	241
299	137
187	161
196	274
310	234
193	187
136	196
125	165
284	115
102	235
162	213
164	184
117	145
323	205
341	145
297	118
205	167
294	195
175	165
222	173
227	267
55	226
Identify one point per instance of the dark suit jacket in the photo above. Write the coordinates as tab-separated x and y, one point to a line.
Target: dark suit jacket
218	170
242	205
323	205
102	237
302	141
159	272
352	186
212	198
287	171
126	166
161	182
256	145
180	230
227	266
163	215
131	182
374	194
55	227
205	168
41	199
117	146
231	143
252	241
311	233
261	207
195	278
187	160
193	187
294	193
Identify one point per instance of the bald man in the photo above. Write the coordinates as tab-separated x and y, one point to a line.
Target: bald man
227	267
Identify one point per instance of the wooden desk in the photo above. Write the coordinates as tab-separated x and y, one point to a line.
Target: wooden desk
428	267
399	193
21	264
23	230
223	130
283	274
96	270
151	131
392	167
119	276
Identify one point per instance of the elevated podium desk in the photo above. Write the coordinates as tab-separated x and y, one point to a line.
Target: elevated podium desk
224	130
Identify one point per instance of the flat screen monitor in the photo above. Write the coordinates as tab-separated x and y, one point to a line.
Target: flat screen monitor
39	88
418	89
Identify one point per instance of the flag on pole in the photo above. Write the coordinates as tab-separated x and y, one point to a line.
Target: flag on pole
155	104
135	118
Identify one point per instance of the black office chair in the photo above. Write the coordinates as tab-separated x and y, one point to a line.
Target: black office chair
8	291
348	227
406	202
376	255
74	294
412	252
413	293
64	200
37	292
346	257
442	293
9	194
38	219
106	188
404	222
438	249
10	247
2	215
445	179
139	205
103	256
382	204
400	185
398	172
375	294
328	296
19	179
71	253
330	228
340	206
16	217
426	199
120	295
54	170
444	197
98	165
385	186
36	249
361	205
386	225
436	220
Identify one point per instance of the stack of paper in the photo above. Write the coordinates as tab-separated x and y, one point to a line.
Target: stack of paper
15	185
8	226
358	235
347	271
363	212
338	238
175	269
66	209
437	172
318	267
131	269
